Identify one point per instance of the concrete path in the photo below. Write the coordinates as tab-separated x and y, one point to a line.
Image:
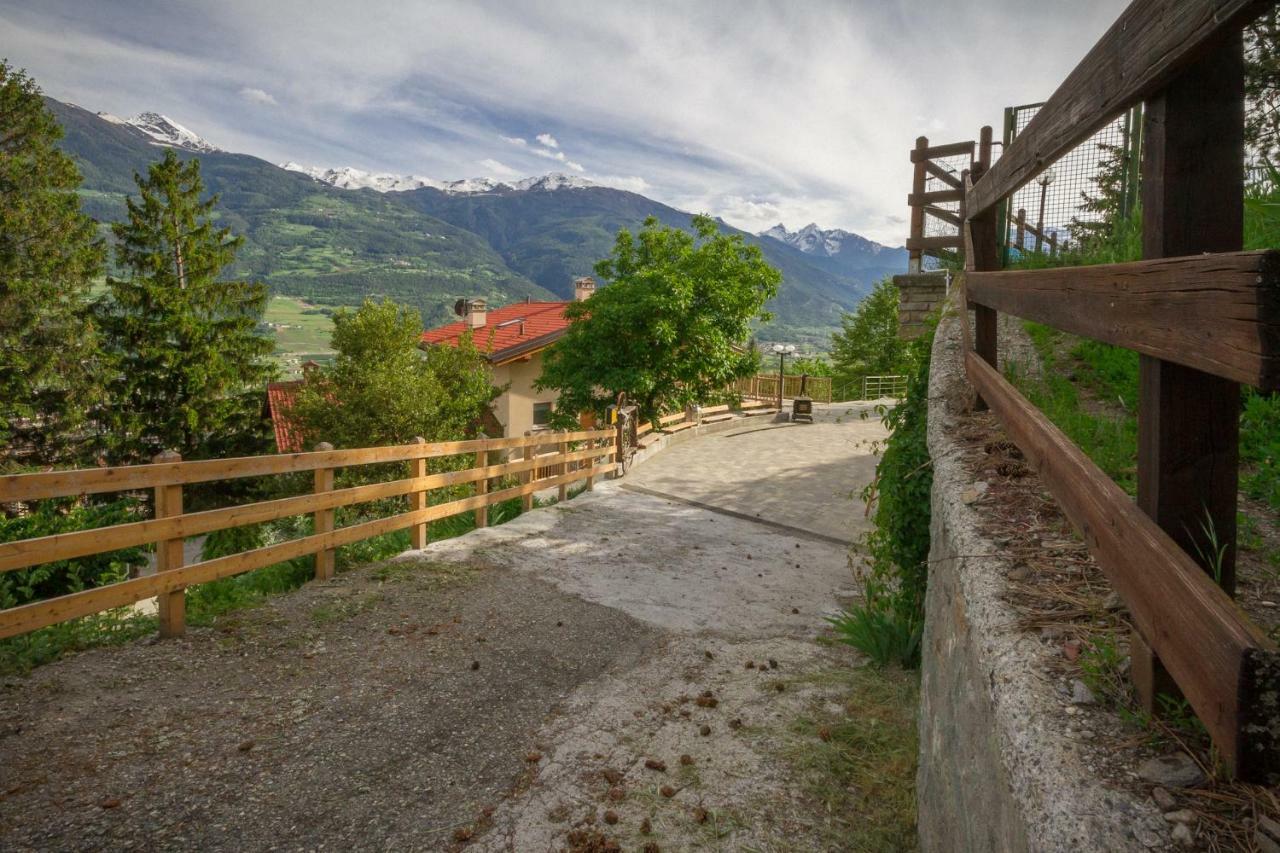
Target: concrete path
622	669
795	474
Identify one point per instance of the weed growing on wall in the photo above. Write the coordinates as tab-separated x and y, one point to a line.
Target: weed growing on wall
888	623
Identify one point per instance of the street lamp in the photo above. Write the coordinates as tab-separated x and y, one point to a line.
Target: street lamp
1044	181
783	350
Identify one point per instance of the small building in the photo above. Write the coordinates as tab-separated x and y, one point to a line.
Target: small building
513	339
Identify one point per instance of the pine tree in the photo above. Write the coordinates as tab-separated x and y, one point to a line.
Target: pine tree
1106	202
1262	88
188	366
49	255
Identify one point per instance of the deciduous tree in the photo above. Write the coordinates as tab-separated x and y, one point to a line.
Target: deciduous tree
382	388
671	326
868	343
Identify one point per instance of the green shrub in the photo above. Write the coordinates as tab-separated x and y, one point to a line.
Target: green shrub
49	580
887	624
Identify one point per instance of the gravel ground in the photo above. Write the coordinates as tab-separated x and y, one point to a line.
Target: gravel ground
346	715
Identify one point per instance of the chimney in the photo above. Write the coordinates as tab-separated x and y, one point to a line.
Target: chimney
583	288
475	313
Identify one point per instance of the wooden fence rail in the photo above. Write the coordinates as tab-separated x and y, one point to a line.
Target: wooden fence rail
171	526
1203	316
765	387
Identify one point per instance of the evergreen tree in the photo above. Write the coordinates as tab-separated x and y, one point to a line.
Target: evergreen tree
49	254
1106	202
188	366
1262	88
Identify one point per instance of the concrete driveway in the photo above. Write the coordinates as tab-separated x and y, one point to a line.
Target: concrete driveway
805	476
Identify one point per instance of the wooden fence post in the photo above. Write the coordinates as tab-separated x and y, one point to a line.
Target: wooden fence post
1188	421
591	463
527	477
982	252
1022	229
564	469
323	518
418	535
482	488
172	605
919	177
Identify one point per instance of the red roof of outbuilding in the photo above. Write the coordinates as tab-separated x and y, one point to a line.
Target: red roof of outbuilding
280	399
508	331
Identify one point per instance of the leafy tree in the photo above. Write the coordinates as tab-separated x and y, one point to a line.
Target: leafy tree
49	254
383	389
814	365
868	343
188	365
670	326
1262	87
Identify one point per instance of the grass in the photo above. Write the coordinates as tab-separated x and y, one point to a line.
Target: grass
859	764
1109	436
301	331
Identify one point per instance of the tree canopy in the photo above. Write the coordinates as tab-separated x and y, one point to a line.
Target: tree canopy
868	343
382	388
188	365
49	255
671	326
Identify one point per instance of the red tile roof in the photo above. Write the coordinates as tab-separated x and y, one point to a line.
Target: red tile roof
280	399
508	331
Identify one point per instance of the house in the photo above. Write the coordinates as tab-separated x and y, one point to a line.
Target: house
513	339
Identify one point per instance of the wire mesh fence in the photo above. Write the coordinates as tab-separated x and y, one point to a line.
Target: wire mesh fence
1061	207
946	225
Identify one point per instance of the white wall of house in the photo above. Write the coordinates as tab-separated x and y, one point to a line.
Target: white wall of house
515	408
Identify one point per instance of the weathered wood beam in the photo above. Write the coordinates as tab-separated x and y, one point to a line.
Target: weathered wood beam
942	174
1148	45
935	197
1219	314
952	241
952	149
1222	661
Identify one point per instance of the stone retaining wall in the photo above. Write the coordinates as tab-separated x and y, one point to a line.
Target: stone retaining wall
918	294
998	770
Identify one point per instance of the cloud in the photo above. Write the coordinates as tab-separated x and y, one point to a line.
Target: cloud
257	96
745	109
558	156
496	169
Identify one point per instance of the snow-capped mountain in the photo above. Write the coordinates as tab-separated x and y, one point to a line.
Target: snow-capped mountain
165	131
349	178
813	240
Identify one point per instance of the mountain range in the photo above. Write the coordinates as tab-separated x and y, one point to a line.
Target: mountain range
335	236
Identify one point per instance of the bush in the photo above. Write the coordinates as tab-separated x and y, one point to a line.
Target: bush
66	576
888	623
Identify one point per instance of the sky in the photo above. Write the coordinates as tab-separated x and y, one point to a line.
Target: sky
792	111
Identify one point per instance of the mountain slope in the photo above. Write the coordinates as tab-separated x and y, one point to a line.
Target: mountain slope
550	236
304	238
308	235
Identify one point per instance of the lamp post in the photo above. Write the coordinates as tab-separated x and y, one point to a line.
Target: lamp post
783	350
1044	181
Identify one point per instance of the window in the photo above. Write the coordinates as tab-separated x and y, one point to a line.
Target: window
541	414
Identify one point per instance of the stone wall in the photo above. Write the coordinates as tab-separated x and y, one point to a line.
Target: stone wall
999	769
918	294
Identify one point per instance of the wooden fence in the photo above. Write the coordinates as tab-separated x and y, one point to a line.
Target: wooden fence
765	387
170	525
1204	317
930	203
